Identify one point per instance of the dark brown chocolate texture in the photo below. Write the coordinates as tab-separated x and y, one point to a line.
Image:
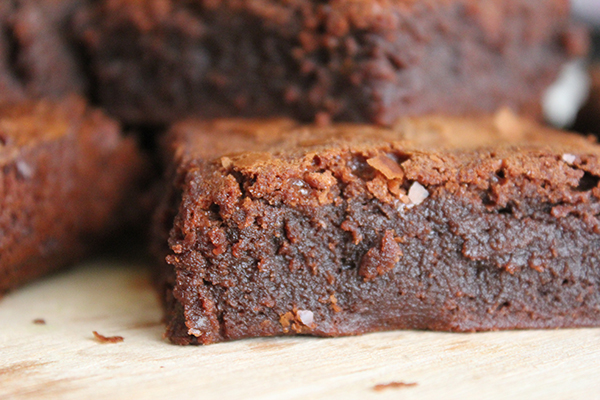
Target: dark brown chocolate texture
374	60
37	54
439	223
67	180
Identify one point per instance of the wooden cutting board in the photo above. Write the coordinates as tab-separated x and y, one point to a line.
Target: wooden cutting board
62	358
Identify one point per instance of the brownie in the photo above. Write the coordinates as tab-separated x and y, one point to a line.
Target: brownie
156	61
67	180
588	119
38	57
441	223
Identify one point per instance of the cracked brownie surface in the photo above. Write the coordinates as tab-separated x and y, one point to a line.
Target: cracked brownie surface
276	228
157	61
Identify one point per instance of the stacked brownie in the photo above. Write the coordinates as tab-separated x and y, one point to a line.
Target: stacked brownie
269	227
332	167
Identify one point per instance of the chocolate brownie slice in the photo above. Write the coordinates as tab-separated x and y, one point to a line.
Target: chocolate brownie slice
439	223
67	178
374	60
37	56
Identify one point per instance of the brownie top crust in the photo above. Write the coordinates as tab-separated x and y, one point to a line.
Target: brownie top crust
246	143
31	123
343	14
320	24
278	161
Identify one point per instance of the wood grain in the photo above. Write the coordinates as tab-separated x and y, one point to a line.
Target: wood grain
62	357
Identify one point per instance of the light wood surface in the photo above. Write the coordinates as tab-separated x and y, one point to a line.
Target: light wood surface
61	359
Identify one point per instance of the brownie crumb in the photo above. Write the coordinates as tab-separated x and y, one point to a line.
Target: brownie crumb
388	167
39	321
381	259
107	339
393	385
334	305
299	321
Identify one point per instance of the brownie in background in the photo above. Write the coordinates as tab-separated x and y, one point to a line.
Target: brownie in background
68	179
156	61
38	57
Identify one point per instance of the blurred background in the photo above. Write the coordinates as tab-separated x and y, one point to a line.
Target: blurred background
573	102
588	118
589	12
